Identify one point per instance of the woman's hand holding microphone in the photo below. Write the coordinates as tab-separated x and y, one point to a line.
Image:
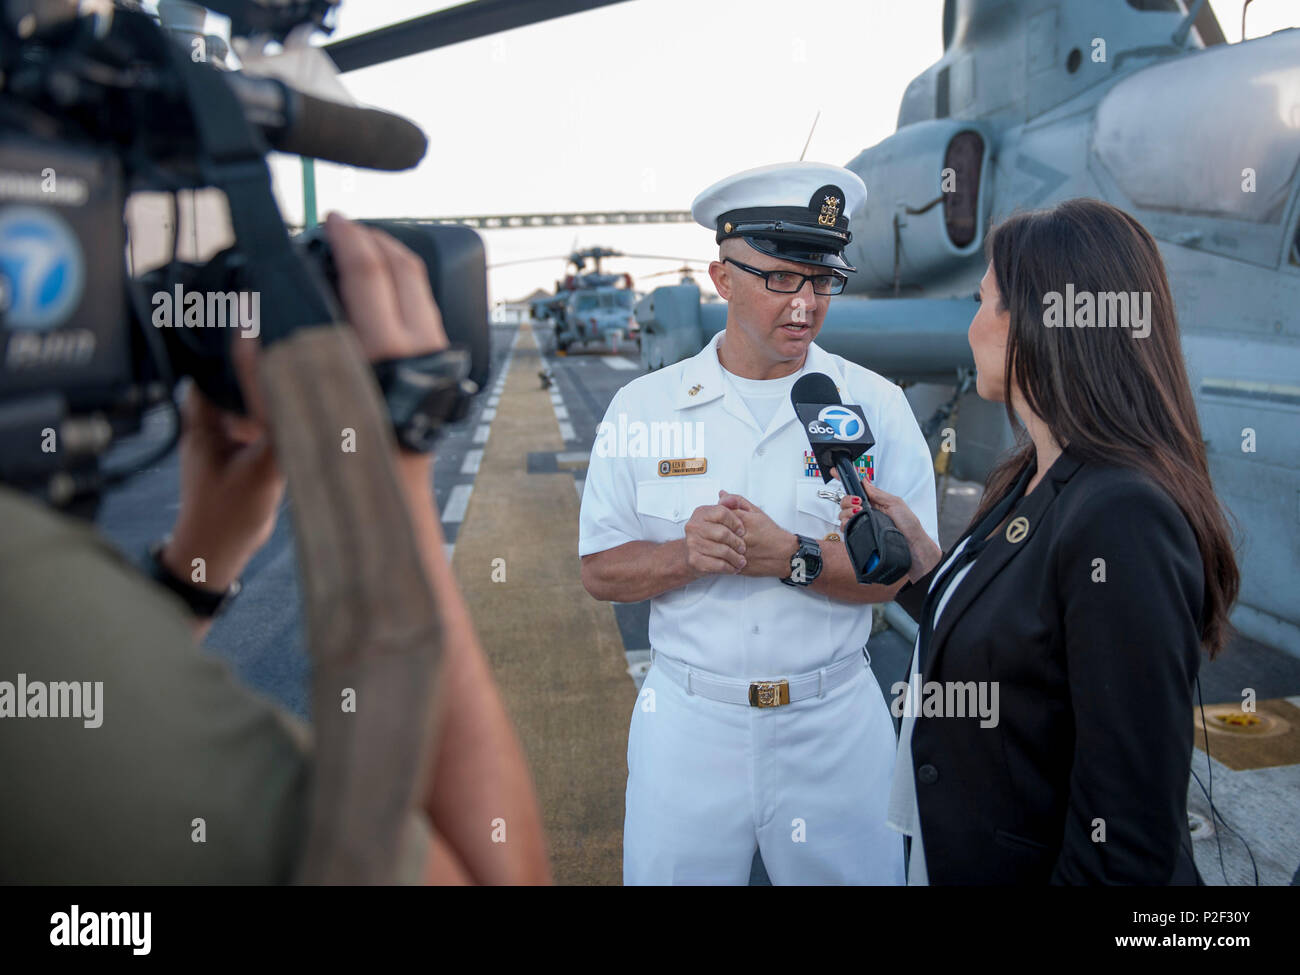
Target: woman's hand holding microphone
925	553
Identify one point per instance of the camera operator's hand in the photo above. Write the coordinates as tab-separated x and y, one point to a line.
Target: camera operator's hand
385	292
231	485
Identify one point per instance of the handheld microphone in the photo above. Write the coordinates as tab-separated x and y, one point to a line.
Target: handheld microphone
838	434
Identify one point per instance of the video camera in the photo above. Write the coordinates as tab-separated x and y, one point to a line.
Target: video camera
98	101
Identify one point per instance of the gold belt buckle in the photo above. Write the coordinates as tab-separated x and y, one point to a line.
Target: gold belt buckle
769	693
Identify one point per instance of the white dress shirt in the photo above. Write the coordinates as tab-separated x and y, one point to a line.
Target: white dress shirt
735	625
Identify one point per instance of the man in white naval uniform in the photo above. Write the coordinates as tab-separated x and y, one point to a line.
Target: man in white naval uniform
759	723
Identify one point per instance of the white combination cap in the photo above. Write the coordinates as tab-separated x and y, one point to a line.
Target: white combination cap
797	211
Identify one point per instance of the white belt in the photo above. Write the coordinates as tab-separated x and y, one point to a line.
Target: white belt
763	693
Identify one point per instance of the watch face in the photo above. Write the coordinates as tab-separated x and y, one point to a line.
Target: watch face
806	565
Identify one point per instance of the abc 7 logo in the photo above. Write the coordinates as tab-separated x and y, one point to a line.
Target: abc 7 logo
837	422
42	271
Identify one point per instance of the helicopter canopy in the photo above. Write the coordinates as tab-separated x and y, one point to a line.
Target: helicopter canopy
1179	136
604	299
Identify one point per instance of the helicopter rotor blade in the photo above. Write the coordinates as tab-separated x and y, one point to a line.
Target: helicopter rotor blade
668	257
465	22
685	271
530	260
608	256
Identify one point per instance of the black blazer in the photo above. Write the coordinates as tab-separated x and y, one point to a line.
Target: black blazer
1094	725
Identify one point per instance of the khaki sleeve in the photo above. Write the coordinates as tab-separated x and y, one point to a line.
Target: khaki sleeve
173	772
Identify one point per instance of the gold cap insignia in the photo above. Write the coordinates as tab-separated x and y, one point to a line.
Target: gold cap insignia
830	211
726	228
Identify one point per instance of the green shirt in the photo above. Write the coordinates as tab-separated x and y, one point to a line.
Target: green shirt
178	739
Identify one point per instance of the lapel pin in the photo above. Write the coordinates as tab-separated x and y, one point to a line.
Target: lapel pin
695	389
1017	530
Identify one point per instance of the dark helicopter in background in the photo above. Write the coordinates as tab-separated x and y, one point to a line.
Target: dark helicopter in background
1141	103
592	307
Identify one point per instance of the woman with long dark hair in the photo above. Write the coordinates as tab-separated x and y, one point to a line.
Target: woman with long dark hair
1047	720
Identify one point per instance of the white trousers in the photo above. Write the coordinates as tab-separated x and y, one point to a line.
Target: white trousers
807	784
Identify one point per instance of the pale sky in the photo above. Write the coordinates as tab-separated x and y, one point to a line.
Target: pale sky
637	106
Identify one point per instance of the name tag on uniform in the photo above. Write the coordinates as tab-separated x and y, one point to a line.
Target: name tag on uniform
689	465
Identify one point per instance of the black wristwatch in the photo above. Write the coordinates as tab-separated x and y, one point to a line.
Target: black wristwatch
806	563
203	603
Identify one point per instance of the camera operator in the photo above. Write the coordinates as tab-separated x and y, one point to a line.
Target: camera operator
182	774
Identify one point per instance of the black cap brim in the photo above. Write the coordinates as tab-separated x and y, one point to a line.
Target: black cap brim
799	252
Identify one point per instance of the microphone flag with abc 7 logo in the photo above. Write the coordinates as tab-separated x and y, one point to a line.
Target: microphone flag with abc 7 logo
835	430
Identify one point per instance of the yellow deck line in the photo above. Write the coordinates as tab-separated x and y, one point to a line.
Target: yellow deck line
556	652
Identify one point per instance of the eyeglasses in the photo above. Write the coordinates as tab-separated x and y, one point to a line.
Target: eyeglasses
791	282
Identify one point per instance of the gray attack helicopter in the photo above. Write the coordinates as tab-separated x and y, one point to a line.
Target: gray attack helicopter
1141	103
